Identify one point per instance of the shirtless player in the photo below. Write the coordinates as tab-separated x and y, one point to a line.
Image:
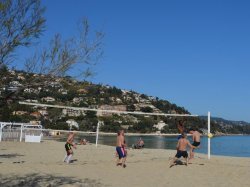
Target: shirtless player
182	149
120	144
196	136
69	151
180	127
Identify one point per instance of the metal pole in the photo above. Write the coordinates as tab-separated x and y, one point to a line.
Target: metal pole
21	134
1	133
208	134
97	133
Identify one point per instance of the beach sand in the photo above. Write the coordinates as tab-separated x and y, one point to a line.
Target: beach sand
40	164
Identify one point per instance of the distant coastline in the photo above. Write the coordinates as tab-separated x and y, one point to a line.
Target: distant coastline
143	134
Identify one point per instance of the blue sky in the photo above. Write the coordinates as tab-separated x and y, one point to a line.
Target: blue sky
193	53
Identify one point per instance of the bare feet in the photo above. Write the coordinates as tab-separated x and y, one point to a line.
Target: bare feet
190	158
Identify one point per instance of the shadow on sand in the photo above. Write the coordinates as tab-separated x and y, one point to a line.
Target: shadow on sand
38	180
10	155
180	162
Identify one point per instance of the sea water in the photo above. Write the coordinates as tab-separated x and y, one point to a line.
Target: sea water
237	146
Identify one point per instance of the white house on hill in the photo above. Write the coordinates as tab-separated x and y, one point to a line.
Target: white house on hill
160	125
72	123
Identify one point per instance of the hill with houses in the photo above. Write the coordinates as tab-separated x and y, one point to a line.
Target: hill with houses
18	86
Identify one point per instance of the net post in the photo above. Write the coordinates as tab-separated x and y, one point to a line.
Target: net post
97	133
1	132
208	133
21	133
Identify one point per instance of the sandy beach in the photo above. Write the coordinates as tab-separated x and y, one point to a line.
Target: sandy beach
40	164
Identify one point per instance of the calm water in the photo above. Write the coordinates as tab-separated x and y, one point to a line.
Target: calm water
238	146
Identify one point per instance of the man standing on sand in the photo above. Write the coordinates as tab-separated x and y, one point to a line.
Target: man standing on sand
69	151
120	145
181	149
196	136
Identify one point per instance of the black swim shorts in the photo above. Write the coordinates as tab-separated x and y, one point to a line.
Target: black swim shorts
180	154
196	144
67	146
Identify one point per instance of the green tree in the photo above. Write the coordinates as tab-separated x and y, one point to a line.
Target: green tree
131	108
147	109
55	113
5	113
60	126
90	114
144	126
88	122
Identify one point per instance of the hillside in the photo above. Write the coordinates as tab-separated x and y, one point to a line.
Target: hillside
235	127
21	86
222	121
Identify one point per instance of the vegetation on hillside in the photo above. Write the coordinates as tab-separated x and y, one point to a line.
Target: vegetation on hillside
69	92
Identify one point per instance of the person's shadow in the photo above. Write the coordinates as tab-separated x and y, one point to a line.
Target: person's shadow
178	162
73	160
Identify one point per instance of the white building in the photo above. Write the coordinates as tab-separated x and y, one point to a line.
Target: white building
20	77
110	107
160	125
19	113
63	91
72	123
13	88
15	83
72	113
43	112
31	100
118	101
77	100
31	90
55	84
48	99
12	72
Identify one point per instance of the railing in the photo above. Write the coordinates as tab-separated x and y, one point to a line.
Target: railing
18	131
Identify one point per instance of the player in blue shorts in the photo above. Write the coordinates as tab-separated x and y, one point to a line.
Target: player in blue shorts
120	149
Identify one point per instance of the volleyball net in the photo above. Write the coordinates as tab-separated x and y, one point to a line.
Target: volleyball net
29	130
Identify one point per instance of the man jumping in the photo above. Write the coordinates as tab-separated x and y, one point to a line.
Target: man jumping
180	127
196	136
